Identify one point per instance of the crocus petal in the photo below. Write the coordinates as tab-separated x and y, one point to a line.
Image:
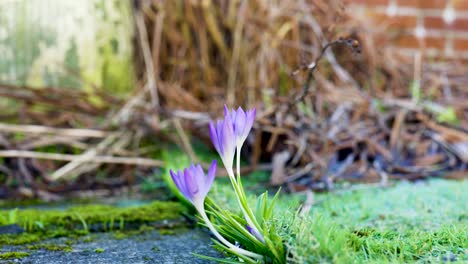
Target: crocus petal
175	178
214	137
193	183
255	233
249	120
219	132
231	133
190	184
210	177
179	181
233	115
200	179
229	140
240	123
226	111
251	117
185	186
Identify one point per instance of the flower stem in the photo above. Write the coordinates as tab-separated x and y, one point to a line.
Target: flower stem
238	191
249	216
228	244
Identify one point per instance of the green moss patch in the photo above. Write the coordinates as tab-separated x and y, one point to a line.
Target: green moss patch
99	250
80	220
19	239
402	224
91	216
13	255
407	223
51	247
122	234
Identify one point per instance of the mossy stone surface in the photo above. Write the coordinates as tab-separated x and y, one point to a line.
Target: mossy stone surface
103	234
146	247
14	255
89	217
80	220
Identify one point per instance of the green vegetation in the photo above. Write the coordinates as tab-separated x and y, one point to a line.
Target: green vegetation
25	238
84	217
424	222
122	234
80	220
13	255
99	250
51	247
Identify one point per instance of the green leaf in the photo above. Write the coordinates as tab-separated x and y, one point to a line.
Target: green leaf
448	116
260	208
269	213
12	216
219	260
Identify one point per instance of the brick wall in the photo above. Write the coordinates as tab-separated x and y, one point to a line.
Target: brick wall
438	27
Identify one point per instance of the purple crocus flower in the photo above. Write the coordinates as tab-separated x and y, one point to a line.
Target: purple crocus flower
231	132
242	122
193	183
224	140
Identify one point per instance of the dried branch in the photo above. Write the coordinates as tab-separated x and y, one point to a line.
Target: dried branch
68	157
145	47
310	68
44	130
83	158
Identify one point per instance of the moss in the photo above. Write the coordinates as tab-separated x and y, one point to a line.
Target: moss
19	239
13	255
28	238
51	247
145	228
99	250
81	220
167	232
88	239
407	223
156	249
93	216
122	234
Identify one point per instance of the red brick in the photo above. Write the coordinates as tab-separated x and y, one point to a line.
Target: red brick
410	41
381	19
439	23
460	44
431	57
369	3
424	4
460	5
435	42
